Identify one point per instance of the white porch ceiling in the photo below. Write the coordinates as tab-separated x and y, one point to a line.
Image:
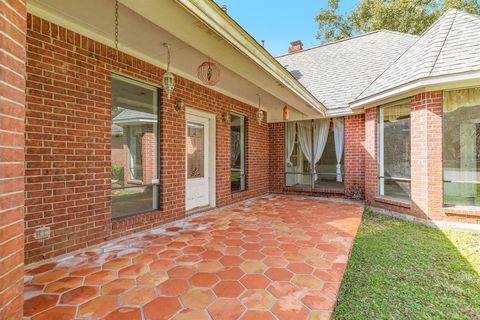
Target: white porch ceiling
144	25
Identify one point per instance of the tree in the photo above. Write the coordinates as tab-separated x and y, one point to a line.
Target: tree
409	16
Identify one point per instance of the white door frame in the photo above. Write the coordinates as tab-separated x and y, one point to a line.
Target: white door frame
212	152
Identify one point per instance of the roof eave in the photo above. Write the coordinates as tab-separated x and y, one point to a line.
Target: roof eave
446	81
213	16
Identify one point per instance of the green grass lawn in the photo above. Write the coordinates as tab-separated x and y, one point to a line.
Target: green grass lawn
400	270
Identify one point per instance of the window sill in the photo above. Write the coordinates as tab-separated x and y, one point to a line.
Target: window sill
394	201
316	190
465	211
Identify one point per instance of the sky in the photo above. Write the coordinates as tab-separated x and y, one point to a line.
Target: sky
279	22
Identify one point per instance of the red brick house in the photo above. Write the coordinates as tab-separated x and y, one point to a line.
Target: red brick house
94	147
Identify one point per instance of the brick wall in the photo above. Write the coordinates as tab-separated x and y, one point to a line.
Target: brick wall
354	156
371	170
12	114
68	145
276	150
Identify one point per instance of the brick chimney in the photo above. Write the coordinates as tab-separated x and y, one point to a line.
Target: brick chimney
296	46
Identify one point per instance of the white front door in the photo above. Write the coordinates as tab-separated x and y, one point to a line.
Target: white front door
197	193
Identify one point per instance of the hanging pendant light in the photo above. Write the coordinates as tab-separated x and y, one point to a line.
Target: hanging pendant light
168	80
209	73
259	112
285	113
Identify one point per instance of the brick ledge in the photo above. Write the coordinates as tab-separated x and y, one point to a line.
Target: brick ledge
393	201
462	211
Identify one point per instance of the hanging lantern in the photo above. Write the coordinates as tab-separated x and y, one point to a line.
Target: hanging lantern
285	113
259	112
259	117
208	73
168	80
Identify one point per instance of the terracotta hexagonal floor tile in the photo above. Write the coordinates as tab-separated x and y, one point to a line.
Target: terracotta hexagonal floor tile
317	300
85	271
38	304
32	290
117	286
276	262
57	313
290	309
42	268
145	258
257	315
193	250
279	274
79	295
182	272
300	268
203	280
231	273
257	299
49	276
63	284
117	264
272	252
252	255
133	271
162	265
307	281
173	287
152	278
161	308
252	246
125	313
211	255
100	277
253	267
225	309
320	315
189	314
198	298
138	296
208	266
228	289
188	259
97	307
284	290
255	281
231	261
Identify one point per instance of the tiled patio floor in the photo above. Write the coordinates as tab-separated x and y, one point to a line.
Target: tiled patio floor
270	258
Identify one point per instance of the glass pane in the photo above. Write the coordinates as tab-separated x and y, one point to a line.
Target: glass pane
461	146
394	150
327	166
195	150
237	152
300	180
134	147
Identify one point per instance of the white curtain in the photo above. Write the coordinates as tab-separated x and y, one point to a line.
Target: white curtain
338	133
290	143
320	135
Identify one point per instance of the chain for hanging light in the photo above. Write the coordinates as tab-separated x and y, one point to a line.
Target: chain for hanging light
116	28
168	80
259	112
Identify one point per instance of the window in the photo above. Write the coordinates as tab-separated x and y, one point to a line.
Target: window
394	150
461	147
134	137
237	152
319	142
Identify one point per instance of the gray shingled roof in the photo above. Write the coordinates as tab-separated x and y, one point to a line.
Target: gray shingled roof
451	45
337	72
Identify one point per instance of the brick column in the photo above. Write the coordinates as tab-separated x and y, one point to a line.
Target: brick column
12	116
371	167
276	153
354	156
427	167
